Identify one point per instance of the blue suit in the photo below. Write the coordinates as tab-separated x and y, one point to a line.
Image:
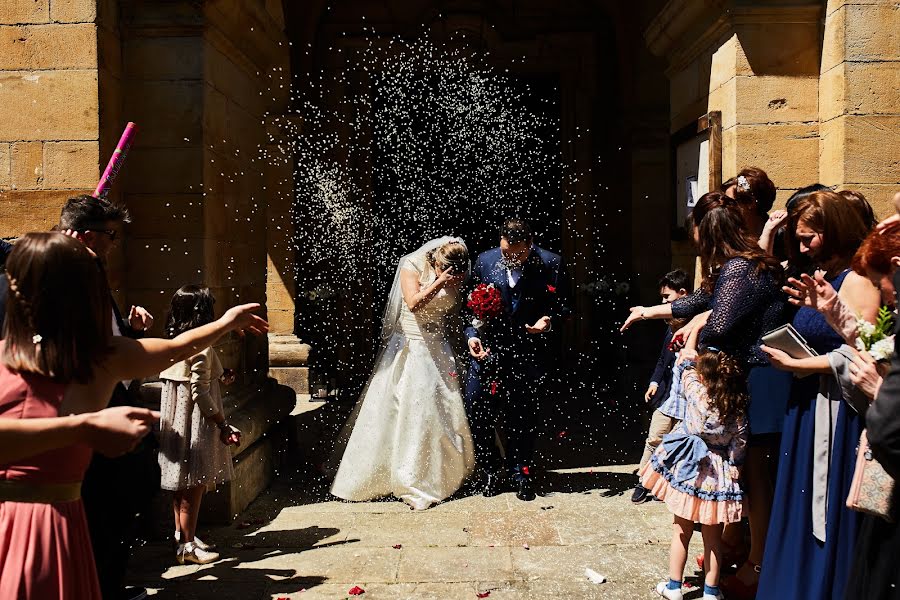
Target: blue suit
662	374
511	386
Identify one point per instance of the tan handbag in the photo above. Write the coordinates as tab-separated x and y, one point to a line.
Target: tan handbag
872	489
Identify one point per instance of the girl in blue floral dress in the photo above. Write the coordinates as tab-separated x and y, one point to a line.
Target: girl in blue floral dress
696	469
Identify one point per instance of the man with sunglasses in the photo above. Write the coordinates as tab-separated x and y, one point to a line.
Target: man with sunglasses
115	490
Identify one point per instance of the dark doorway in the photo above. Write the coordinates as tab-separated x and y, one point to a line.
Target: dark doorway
457	207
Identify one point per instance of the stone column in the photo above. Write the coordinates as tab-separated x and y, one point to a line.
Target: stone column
764	79
288	355
756	63
200	79
859	100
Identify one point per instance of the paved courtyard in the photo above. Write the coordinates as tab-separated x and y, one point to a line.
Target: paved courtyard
294	543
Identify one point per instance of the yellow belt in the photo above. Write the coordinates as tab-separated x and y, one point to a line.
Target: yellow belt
39	493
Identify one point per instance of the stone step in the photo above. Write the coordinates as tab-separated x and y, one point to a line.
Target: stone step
285	350
263	417
296	378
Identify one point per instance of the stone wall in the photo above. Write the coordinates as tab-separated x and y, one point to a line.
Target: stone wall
726	59
198	78
202	80
803	103
49	120
859	102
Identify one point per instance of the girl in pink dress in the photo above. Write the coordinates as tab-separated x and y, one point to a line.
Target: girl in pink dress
696	469
59	357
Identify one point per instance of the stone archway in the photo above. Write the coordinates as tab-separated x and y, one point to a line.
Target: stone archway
614	124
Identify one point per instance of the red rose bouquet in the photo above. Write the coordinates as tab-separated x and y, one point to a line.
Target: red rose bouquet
485	302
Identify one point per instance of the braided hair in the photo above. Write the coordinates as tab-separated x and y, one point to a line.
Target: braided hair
59	318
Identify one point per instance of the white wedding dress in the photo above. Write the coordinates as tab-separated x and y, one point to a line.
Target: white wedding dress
408	435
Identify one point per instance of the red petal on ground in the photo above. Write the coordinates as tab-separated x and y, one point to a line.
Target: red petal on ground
356	591
397	546
483	594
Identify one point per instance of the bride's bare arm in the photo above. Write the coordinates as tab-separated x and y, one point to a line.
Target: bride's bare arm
414	295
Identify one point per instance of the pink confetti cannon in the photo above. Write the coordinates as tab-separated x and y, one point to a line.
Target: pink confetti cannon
115	161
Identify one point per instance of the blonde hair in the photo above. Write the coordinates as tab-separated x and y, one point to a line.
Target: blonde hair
451	254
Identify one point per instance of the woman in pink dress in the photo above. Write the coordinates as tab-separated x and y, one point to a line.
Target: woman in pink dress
59	357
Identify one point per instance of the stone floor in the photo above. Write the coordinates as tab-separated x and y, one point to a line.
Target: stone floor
294	543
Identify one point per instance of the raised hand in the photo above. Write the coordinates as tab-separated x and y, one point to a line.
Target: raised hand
542	325
241	319
80	237
477	351
776	221
448	277
139	318
692	329
117	430
814	293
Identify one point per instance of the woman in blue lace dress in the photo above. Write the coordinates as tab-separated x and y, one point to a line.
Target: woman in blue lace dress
743	297
812	534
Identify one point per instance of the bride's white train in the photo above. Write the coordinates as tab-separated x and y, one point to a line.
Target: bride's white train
408	435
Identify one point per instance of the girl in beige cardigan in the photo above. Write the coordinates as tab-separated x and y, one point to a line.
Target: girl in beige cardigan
194	437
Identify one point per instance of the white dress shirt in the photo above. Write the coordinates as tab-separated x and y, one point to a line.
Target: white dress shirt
513	276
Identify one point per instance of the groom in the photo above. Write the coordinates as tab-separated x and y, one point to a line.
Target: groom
508	366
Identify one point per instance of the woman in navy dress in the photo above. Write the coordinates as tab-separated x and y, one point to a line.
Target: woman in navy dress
811	539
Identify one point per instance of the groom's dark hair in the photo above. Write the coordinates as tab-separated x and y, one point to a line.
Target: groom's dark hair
515	230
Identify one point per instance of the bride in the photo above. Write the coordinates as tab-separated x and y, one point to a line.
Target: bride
410	437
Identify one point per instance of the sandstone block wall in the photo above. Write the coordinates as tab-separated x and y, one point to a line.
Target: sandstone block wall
49	109
859	101
768	96
198	79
